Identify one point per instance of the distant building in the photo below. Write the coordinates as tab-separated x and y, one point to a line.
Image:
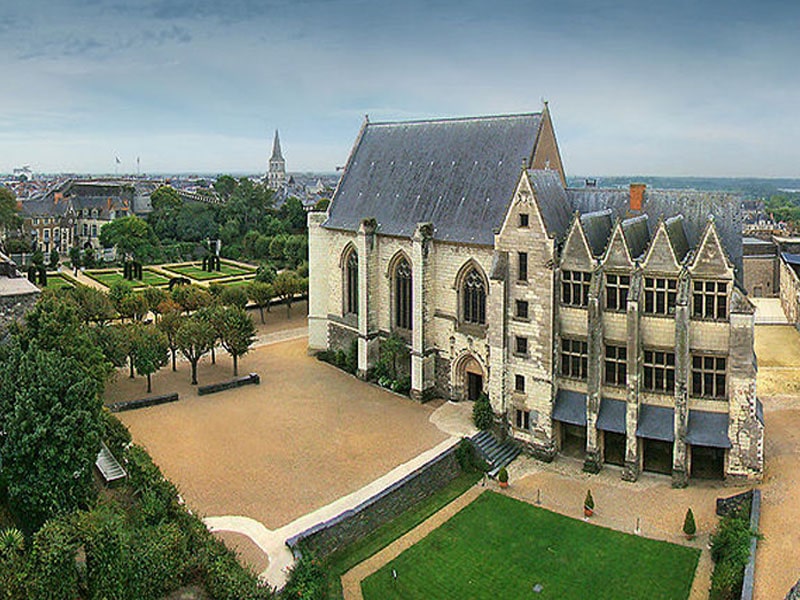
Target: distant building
276	175
606	324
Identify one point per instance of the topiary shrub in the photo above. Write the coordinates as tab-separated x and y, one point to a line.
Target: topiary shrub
502	475
482	413
588	502
689	527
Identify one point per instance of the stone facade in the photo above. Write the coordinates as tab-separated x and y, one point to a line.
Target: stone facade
789	292
612	325
17	295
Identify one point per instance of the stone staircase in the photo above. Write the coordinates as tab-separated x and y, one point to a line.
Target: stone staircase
497	454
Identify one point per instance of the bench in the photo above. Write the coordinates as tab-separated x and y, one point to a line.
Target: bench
249	379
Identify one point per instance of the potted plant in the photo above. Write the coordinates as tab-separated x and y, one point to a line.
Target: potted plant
588	504
502	477
689	527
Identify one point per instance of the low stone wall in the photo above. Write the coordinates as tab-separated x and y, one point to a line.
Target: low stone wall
324	539
212	388
789	293
142	402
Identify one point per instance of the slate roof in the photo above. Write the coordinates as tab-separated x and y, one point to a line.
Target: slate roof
552	199
459	174
677	236
597	227
636	231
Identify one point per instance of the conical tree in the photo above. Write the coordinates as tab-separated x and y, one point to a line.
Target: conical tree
689	526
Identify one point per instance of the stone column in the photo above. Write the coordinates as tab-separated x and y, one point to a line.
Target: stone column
421	365
497	333
680	457
594	459
318	282
365	245
633	368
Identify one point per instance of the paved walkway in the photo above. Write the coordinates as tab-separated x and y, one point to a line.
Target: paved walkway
452	418
769	311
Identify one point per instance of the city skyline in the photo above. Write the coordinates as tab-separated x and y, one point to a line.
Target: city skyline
684	89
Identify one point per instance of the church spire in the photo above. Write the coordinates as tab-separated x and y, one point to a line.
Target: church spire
276	148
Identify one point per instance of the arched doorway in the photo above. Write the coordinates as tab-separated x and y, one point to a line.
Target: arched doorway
469	378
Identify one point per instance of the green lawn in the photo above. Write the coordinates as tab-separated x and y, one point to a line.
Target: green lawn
500	548
195	271
56	281
109	278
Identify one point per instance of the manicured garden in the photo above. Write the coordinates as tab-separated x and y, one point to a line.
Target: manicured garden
109	277
195	271
499	547
56	281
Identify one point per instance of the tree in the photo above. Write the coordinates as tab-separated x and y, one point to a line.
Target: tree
93	305
285	286
191	297
482	413
131	235
75	258
236	332
233	296
265	273
50	415
150	352
10	220
194	339
170	323
54	259
689	526
293	214
153	298
114	341
261	295
225	186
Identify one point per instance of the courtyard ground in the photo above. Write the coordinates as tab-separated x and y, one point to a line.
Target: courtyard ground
306	436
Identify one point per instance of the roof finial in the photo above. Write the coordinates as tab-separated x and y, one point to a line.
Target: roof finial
366	118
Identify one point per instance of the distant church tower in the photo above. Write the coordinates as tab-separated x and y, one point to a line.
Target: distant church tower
276	176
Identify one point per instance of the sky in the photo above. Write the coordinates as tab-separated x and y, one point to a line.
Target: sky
678	87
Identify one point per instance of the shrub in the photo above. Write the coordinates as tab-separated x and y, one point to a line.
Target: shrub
502	475
588	502
730	551
482	413
307	580
468	459
53	572
115	434
689	527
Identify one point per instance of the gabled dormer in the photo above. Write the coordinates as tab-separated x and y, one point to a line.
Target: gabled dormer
524	212
576	254
661	256
617	254
710	260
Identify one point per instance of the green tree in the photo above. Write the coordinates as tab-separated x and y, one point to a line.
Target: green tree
115	342
75	258
170	323
38	258
50	415
293	215
54	259
236	332
482	413
261	295
118	294
265	273
93	305
132	237
194	340
153	298
150	352
233	296
225	185
10	220
286	286
191	297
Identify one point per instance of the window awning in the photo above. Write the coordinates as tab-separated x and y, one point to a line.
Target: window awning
612	415
656	423
708	429
570	407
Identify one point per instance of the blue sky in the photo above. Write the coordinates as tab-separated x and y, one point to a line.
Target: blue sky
635	87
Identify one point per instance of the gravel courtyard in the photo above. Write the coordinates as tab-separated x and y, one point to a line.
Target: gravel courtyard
306	436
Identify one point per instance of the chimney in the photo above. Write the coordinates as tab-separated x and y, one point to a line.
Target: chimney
637	196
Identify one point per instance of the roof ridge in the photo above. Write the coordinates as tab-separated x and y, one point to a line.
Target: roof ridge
453	119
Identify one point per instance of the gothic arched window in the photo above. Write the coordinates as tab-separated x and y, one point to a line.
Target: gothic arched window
473	294
351	283
402	295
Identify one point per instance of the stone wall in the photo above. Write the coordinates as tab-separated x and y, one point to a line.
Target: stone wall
340	336
13	308
326	538
760	276
790	293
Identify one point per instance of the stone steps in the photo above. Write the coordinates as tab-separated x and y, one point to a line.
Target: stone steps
497	454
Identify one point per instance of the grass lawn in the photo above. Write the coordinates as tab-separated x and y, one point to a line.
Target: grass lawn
195	271
56	281
109	278
342	561
499	547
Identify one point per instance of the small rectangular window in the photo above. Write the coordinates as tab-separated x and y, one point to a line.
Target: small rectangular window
574	358
616	365
575	288
708	376
523	267
523	419
523	219
617	287
519	383
660	295
522	309
521	345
